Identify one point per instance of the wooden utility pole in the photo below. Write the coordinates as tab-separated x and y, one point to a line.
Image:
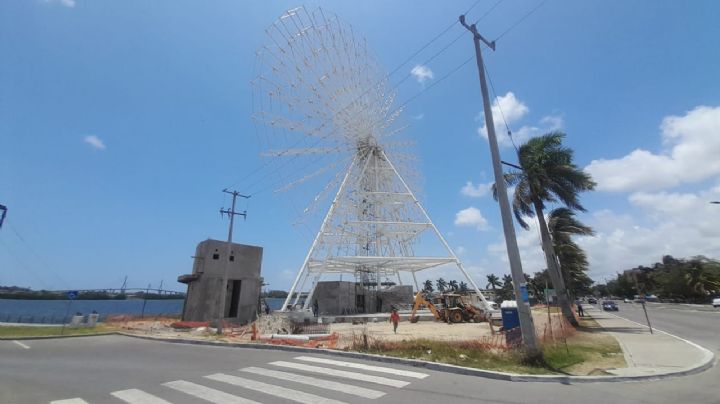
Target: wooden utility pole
527	327
224	286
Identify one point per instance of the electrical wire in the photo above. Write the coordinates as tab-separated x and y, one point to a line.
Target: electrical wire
497	101
518	22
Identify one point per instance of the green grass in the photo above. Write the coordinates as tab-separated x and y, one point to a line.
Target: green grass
461	353
9	332
584	353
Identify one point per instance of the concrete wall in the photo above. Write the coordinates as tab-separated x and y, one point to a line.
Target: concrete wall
205	283
335	297
338	298
397	296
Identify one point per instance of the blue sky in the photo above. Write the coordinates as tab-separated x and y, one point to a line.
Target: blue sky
121	122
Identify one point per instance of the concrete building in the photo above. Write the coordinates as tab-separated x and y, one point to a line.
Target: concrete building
205	282
339	298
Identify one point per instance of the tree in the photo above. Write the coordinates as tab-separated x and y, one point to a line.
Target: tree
506	291
562	226
493	282
428	286
548	175
698	278
453	284
463	287
441	284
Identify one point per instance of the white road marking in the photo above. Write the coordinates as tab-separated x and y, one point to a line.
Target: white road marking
320	383
381	369
273	390
135	396
70	401
207	394
21	344
342	373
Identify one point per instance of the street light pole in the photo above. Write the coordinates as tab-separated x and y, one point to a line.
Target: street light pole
527	327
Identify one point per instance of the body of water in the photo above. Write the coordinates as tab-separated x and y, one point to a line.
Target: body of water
54	311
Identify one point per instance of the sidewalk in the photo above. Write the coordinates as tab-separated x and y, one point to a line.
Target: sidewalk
650	354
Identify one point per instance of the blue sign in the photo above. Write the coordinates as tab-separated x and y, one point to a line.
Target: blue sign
72	294
524	294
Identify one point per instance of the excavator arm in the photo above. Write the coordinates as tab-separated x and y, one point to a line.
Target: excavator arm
421	301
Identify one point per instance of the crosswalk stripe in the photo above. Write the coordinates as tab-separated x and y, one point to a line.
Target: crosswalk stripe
274	390
135	396
207	394
320	383
342	373
381	369
70	401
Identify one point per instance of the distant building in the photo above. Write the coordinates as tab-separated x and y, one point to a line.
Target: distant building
205	282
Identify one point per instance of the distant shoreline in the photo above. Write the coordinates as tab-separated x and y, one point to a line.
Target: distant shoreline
89	296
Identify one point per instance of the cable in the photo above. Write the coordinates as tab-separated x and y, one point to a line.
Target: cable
497	100
37	256
520	20
407	101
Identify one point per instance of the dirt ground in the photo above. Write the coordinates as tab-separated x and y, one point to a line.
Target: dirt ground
407	330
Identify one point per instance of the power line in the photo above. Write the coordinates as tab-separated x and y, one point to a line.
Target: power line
518	22
440	80
497	101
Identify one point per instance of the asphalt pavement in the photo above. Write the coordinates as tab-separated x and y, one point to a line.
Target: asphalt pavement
117	369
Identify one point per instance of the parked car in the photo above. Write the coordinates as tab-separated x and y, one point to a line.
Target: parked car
716	302
626	300
609	305
592	300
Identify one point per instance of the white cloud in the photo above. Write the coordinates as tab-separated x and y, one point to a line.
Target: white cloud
418	117
513	110
66	3
95	142
471	217
460	250
678	224
422	73
475	191
528	241
694	147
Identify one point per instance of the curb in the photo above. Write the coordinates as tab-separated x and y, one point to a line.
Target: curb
442	367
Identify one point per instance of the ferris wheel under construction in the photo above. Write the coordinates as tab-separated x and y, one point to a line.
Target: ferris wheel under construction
319	94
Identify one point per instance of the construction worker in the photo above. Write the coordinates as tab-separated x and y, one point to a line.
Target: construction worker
395	319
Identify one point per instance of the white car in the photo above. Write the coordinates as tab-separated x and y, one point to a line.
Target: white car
716	302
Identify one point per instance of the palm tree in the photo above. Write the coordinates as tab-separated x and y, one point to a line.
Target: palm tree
463	286
428	286
453	284
698	278
441	284
507	281
548	175
493	282
562	225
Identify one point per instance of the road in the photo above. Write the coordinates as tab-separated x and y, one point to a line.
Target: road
106	369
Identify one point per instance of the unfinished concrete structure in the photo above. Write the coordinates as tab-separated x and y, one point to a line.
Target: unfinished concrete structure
205	283
341	298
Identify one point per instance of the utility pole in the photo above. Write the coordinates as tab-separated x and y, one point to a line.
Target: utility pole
527	327
3	213
223	289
